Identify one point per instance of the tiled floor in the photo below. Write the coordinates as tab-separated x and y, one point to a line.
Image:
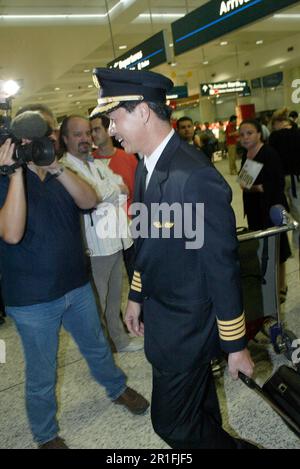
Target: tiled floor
88	419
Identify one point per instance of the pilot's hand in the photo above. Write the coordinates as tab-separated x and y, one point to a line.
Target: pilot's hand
240	361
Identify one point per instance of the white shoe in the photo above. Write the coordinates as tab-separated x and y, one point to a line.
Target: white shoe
133	346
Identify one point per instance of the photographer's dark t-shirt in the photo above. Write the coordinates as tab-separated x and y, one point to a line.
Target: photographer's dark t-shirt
49	261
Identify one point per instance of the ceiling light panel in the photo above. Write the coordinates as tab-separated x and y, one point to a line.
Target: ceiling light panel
69	11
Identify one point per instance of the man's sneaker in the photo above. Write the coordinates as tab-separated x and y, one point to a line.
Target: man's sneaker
133	346
56	443
133	401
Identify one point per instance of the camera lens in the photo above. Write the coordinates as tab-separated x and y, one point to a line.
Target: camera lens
43	152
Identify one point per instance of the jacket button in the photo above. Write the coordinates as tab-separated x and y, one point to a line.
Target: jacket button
146	297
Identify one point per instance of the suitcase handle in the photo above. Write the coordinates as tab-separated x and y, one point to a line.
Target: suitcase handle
249	381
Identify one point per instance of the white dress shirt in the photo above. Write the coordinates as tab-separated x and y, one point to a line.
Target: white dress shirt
151	160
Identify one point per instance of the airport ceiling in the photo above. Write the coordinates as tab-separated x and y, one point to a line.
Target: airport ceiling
53	56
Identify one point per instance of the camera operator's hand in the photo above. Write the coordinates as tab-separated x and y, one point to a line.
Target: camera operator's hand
6	153
53	167
82	193
13	211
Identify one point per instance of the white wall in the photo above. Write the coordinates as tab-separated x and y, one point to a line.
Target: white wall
193	113
263	98
259	65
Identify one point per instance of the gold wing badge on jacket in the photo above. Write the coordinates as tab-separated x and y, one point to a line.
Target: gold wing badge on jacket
167	224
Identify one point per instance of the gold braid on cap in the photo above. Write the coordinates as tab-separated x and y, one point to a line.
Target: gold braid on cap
104	108
113	99
110	102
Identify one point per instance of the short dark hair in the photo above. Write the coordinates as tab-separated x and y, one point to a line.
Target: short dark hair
205	139
294	114
254	122
36	107
232	118
43	110
162	110
104	119
63	131
182	119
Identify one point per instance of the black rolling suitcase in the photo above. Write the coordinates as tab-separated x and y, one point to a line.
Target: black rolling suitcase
282	392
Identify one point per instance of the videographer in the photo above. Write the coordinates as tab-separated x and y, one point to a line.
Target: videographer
45	283
13	210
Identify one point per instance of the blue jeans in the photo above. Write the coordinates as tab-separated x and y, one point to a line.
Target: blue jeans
38	326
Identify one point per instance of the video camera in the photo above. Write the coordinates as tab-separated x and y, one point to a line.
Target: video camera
28	125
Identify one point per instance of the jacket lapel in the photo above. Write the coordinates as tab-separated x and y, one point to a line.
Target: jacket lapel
154	193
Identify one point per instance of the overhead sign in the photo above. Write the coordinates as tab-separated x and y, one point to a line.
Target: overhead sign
219	17
273	80
148	54
216	89
178	92
268	81
256	83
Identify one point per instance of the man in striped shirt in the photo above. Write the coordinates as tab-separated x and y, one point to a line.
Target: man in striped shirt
106	227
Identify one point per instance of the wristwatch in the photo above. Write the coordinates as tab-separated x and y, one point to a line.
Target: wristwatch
58	172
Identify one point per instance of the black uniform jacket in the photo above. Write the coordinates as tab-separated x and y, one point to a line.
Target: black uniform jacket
190	292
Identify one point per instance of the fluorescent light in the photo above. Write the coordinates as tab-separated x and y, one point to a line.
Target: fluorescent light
173	64
87	70
223	43
123	47
275	62
205	62
259	42
287	16
115	6
171	45
57	89
60	17
46	17
161	15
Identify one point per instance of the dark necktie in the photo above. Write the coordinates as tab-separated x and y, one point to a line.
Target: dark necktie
143	183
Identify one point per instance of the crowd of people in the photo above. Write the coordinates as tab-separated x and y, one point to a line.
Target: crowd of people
274	141
277	148
210	138
64	236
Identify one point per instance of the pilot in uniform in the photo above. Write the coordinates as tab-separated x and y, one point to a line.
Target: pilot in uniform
185	296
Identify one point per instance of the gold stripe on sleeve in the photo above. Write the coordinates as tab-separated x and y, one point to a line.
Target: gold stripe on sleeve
232	330
232	322
236	337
